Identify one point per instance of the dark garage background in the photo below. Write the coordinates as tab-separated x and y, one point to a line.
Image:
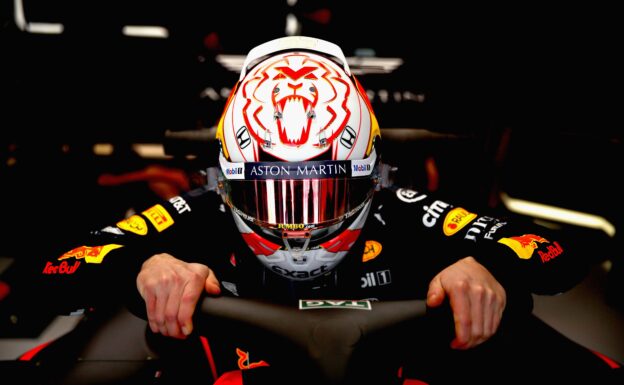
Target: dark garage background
521	101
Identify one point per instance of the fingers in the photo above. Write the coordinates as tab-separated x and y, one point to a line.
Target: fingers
476	298
171	289
189	297
212	286
171	311
490	324
479	313
150	304
476	314
154	301
435	295
459	297
165	293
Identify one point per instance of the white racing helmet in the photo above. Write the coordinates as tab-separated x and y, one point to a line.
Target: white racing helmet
298	161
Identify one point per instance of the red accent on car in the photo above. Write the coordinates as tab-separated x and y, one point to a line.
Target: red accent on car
410	381
321	16
29	355
5	289
233	260
209	356
234	377
609	361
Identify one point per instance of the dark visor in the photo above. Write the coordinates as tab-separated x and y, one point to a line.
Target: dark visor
298	195
298	203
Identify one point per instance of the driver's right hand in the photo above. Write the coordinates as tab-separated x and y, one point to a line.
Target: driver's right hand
171	288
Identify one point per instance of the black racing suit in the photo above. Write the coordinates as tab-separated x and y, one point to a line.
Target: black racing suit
408	238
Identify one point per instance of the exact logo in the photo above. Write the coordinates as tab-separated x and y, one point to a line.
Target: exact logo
300	274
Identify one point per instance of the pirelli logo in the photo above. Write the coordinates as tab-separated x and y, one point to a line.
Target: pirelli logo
159	217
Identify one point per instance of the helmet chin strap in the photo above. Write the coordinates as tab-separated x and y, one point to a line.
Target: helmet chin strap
296	242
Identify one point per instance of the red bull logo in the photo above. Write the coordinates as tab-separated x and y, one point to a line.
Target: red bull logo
243	360
523	245
62	268
552	252
91	254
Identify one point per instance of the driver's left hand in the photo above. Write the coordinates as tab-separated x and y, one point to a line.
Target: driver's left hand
477	300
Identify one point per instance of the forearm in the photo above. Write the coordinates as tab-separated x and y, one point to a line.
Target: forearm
516	251
103	264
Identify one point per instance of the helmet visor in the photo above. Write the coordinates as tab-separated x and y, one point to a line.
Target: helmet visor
298	204
298	195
